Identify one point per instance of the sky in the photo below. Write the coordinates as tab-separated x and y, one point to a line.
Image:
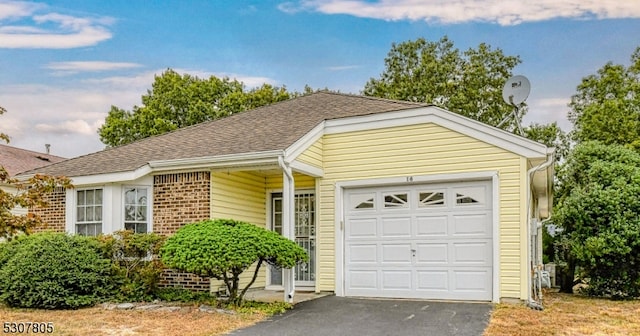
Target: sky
64	63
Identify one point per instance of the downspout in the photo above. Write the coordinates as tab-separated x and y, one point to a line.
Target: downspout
530	302
288	218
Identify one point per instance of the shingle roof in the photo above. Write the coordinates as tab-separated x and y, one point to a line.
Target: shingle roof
16	160
272	127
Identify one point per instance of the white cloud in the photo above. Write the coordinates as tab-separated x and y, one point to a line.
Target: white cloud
66	68
67	127
546	110
48	30
503	12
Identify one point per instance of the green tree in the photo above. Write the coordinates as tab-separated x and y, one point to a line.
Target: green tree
552	136
223	249
469	83
176	101
606	106
598	206
28	194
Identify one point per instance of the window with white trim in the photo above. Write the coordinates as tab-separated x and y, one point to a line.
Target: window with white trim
135	209
89	212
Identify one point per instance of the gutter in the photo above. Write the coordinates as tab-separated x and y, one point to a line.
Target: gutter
288	195
530	302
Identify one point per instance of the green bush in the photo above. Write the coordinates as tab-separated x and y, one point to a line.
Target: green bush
53	271
134	259
224	248
183	295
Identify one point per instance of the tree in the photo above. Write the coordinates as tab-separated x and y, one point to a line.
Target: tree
469	83
552	136
29	194
598	207
606	107
224	248
176	101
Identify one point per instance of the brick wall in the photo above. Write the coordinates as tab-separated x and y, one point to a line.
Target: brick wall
172	278
179	199
54	213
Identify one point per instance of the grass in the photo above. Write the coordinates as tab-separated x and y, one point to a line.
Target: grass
97	321
566	314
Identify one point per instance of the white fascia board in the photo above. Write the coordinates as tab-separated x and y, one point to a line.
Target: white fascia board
431	114
306	169
302	144
222	161
111	177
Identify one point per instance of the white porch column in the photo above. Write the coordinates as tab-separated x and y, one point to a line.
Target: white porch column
288	226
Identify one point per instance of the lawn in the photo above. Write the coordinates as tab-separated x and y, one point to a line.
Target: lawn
567	315
97	321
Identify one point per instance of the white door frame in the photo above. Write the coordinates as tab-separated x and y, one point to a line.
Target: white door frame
411	180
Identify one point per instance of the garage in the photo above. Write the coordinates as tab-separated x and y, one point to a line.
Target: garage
427	241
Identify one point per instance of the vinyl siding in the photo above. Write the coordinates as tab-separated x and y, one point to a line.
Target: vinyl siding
300	181
313	155
422	150
240	196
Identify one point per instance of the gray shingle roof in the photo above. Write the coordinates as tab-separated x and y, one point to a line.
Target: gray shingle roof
16	160
272	127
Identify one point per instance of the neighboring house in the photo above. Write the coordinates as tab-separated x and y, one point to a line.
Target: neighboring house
390	198
16	160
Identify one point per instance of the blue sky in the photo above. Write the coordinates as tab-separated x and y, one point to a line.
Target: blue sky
64	63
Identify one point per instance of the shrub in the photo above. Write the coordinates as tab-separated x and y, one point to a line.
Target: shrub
134	259
54	270
224	248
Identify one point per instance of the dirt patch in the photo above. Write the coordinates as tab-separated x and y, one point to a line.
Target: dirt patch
98	321
567	315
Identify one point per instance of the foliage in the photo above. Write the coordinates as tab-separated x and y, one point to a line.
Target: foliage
133	258
469	83
269	309
173	294
29	194
225	248
176	101
606	106
599	211
53	271
552	136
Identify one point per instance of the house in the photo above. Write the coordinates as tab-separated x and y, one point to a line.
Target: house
16	160
390	198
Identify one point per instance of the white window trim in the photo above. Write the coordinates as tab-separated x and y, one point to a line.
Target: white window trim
71	210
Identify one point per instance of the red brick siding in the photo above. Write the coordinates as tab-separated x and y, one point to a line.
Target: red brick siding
172	278
179	199
54	213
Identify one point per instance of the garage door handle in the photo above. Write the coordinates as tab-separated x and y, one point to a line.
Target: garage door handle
413	252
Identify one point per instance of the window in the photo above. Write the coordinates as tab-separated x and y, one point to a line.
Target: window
399	200
431	199
89	212
135	209
362	201
466	196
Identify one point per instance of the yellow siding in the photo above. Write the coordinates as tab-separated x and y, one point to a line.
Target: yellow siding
240	196
313	155
300	181
422	150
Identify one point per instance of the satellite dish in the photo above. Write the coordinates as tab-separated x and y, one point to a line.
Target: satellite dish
516	90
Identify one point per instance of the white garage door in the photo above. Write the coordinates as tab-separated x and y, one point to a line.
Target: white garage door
431	241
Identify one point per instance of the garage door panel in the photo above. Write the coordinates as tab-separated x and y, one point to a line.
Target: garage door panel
396	227
477	224
362	253
432	226
468	253
362	228
431	241
432	253
396	253
393	280
362	279
437	280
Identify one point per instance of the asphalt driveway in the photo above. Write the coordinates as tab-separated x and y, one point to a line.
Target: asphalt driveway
332	315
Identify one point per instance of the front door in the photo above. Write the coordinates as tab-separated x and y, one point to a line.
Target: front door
305	230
